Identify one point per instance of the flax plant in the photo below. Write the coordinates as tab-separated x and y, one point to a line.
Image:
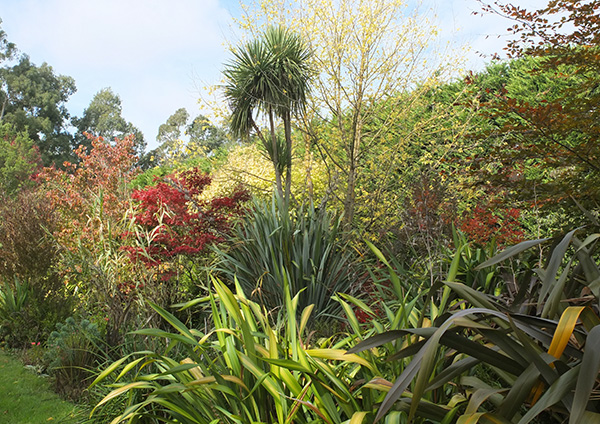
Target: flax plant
242	370
534	359
274	248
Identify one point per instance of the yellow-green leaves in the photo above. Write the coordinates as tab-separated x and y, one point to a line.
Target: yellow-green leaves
243	370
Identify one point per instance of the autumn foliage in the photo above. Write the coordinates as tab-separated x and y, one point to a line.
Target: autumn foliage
486	223
99	180
554	125
376	263
180	222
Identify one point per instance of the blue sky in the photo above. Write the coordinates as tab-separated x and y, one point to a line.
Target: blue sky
159	55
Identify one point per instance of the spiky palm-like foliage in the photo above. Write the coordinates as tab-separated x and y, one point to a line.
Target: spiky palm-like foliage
274	249
269	75
532	359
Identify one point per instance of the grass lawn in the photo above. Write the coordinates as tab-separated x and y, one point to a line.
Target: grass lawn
26	398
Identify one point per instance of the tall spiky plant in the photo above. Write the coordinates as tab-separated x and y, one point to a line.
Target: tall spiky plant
274	250
532	360
269	75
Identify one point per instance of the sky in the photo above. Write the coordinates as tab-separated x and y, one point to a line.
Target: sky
159	56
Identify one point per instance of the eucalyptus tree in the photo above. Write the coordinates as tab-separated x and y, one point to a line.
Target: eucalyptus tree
33	101
182	133
7	49
103	117
269	75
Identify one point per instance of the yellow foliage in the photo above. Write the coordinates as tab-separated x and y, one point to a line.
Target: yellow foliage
376	61
366	53
246	165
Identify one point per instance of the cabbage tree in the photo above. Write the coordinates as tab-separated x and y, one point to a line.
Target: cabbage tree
269	76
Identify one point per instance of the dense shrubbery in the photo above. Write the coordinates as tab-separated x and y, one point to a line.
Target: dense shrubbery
74	349
187	306
179	221
457	350
28	272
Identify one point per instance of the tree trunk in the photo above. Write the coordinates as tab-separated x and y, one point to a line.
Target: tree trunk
353	153
308	167
350	199
287	124
275	154
3	108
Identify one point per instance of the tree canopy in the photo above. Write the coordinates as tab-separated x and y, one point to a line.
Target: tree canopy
103	118
269	75
364	53
33	99
546	112
19	160
198	133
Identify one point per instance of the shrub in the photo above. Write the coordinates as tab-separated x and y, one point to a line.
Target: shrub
174	228
13	303
28	261
182	223
73	352
19	160
273	249
503	225
91	200
242	370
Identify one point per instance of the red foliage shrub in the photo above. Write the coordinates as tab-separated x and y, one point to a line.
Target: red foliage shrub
180	222
488	222
91	200
101	175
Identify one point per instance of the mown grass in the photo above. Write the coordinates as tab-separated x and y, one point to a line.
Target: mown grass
26	398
